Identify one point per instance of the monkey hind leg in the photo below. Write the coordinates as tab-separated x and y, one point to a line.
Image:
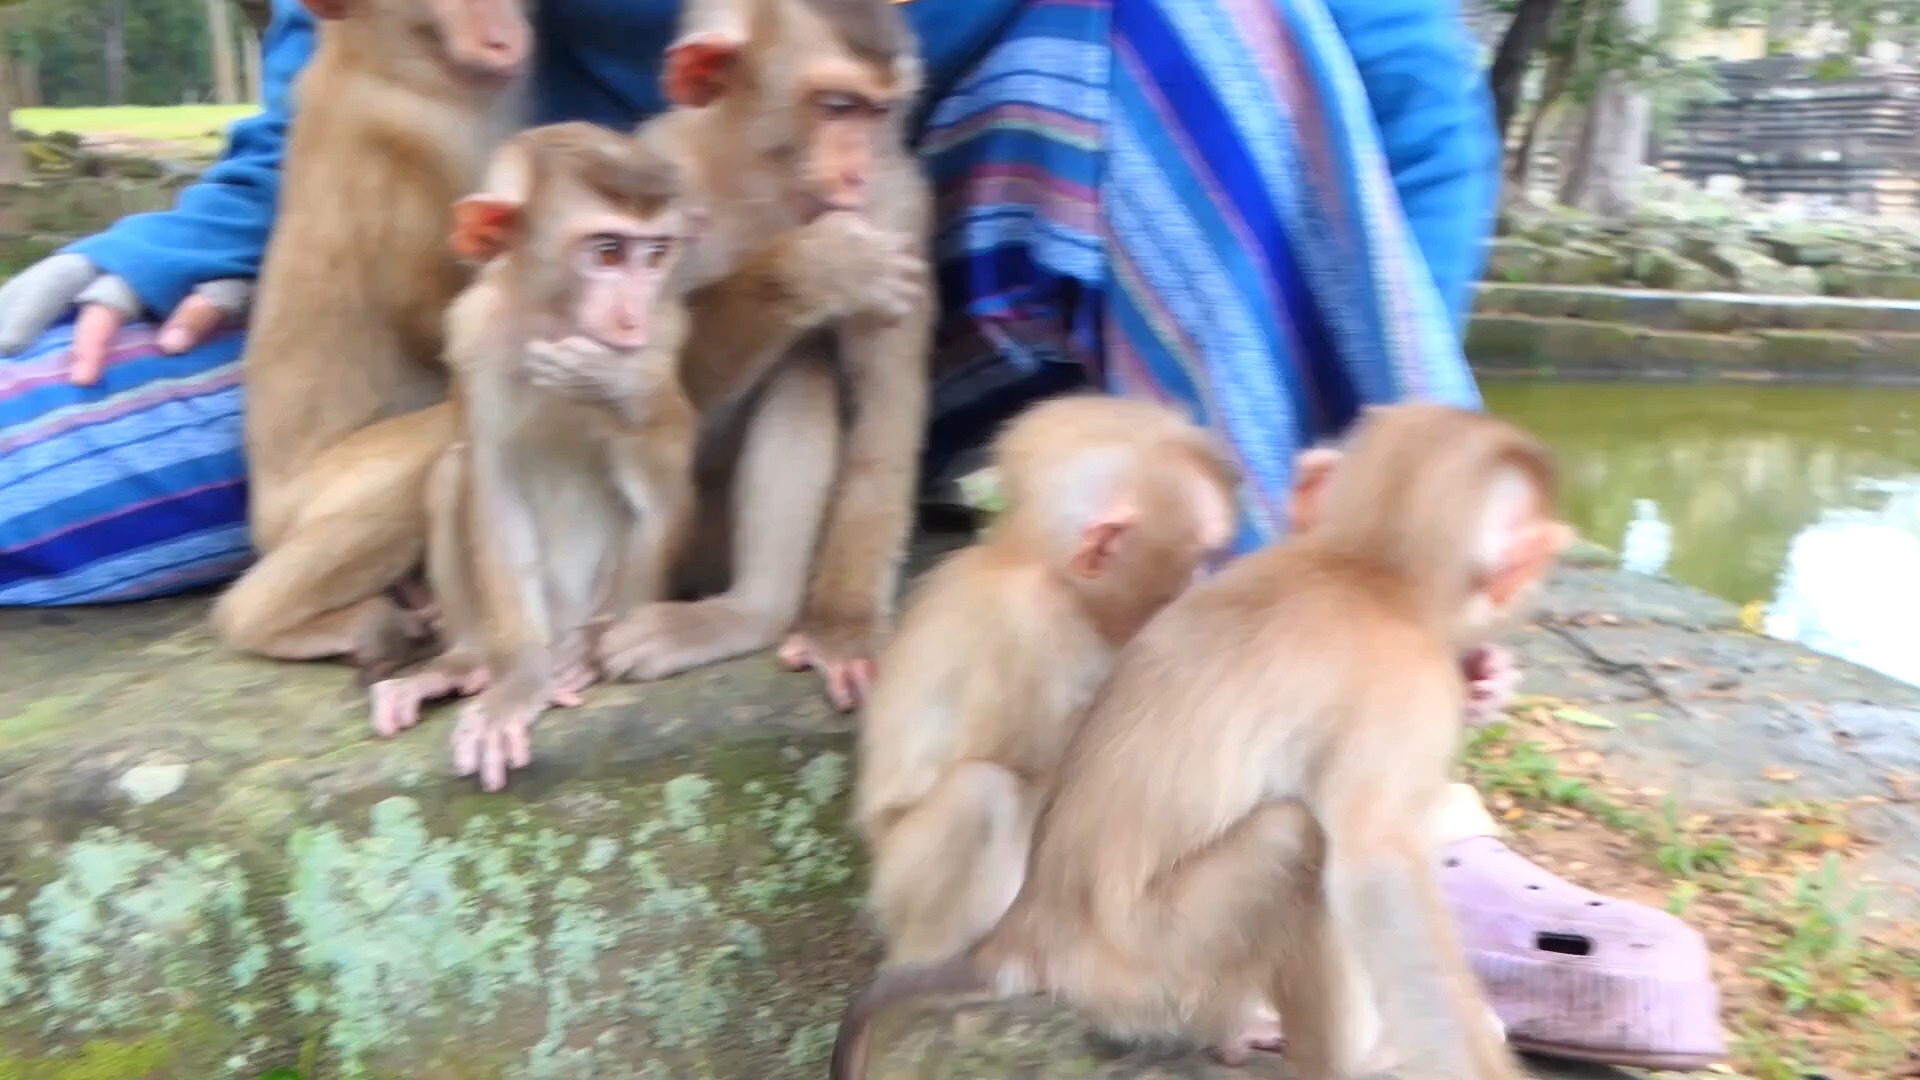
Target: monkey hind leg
778	491
950	867
320	590
1204	941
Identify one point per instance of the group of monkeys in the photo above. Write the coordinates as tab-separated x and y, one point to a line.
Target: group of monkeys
658	401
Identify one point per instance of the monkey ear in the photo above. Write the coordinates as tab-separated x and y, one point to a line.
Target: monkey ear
1098	543
327	9
1529	556
1311	470
483	226
700	68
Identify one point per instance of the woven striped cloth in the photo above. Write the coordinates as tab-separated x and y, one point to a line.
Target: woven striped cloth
1186	202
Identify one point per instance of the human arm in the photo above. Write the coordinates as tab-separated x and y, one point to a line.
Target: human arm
193	261
1435	115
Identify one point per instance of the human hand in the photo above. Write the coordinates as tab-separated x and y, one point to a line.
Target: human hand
41	293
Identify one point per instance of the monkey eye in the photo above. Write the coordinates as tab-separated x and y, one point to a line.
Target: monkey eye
838	105
609	252
655	253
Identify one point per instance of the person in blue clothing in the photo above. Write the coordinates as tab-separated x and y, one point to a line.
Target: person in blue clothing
1269	212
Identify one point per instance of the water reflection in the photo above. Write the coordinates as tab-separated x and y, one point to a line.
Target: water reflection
1804	498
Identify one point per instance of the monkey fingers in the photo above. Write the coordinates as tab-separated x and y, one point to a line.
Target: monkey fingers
577	367
491	738
880	273
396	702
1262	1033
664	639
1493	677
569	680
846	668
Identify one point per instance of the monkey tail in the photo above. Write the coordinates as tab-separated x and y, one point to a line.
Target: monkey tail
960	974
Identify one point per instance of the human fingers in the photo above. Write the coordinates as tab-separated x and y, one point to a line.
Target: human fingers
189	325
93	334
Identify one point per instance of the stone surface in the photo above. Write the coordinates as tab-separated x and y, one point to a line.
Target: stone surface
208	868
1644	333
1689	243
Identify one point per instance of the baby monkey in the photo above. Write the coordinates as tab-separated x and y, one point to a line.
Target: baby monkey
1243	812
1112	507
563	503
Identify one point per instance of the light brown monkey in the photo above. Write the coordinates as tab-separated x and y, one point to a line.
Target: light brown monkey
566	498
793	109
399	107
1113	507
1244	808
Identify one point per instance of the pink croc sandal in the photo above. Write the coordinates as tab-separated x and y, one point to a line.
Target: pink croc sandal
1577	975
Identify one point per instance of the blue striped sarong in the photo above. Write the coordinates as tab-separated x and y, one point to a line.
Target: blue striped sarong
1183	201
1173	199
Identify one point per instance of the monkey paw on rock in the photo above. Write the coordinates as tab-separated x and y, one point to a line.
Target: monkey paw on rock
857	268
841	651
667	638
495	734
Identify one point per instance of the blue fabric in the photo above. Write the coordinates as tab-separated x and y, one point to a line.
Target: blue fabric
1192	202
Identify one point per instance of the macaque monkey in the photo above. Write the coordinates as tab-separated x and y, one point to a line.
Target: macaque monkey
1113	507
565	499
399	108
793	113
1244	811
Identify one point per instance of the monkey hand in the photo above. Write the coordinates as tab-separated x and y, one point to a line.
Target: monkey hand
853	267
39	295
495	734
1492	678
841	651
576	367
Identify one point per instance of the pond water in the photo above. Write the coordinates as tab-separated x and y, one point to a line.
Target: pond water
1804	499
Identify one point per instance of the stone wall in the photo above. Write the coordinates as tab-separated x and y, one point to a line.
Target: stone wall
1789	133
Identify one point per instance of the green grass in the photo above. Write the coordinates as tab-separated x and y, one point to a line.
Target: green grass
202	125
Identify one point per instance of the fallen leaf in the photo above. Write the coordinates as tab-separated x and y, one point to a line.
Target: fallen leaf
1583	718
1778	775
1648	717
1834	840
1514	814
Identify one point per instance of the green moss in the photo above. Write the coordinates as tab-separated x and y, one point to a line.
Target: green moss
186	1045
103	1060
1804	350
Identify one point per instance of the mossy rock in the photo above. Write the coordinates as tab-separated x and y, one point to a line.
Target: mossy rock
210	870
1514	259
1810	350
1854	282
19	252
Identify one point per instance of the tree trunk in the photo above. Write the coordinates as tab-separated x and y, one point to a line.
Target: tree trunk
1532	22
226	81
13	163
1558	74
257	13
28	83
113	29
1783	24
250	62
1613	141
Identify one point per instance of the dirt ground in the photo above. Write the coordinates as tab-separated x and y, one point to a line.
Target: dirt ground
1765	795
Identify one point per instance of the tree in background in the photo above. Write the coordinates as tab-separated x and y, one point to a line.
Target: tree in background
13	161
132	52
